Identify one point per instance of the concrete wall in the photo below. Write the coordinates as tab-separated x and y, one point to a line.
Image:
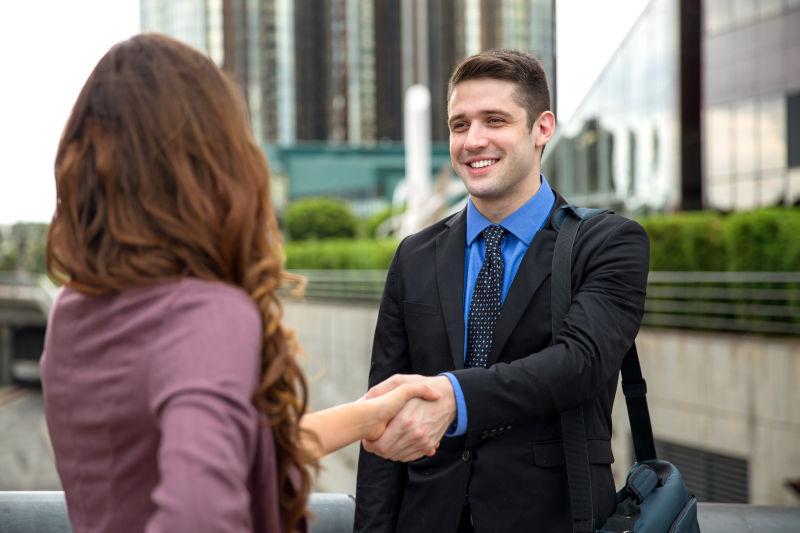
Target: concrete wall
733	394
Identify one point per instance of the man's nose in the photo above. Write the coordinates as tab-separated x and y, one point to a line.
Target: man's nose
476	138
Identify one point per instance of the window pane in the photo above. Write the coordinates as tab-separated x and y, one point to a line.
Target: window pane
717	133
745	11
720	194
793	129
768	8
746	193
746	137
771	133
772	189
718	14
794	187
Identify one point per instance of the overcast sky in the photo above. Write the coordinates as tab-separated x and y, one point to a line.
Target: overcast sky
51	46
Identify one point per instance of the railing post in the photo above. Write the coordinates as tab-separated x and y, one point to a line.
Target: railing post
5	354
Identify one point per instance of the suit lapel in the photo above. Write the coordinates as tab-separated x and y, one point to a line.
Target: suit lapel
533	271
450	245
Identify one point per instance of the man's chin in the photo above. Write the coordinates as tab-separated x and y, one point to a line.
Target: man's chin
486	186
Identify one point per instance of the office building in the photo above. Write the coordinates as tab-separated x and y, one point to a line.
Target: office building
698	108
336	70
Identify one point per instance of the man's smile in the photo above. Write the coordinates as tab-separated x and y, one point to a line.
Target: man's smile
482	163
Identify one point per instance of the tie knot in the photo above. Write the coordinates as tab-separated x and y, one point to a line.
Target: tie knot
493	236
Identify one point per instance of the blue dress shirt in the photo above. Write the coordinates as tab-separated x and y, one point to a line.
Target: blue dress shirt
521	227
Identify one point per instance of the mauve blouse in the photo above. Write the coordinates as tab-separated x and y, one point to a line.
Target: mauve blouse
147	395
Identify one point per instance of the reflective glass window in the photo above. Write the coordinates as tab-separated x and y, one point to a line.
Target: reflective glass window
746	192
793	187
719	193
718	133
793	129
632	152
773	188
745	137
767	8
718	15
745	11
771	133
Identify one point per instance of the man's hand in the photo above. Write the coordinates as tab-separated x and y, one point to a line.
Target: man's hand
419	426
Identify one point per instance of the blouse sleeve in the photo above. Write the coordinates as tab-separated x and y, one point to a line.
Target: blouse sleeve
200	395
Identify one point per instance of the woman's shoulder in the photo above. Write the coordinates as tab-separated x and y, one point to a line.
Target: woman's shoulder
193	292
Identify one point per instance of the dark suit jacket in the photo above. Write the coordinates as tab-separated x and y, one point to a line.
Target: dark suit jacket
511	459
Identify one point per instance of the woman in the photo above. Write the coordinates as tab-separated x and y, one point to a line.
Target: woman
172	393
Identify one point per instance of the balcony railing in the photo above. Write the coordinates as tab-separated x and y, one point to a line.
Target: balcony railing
757	302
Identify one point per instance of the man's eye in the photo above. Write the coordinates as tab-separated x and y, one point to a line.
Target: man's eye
457	126
495	121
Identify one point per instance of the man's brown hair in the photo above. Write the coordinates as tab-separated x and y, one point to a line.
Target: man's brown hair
524	70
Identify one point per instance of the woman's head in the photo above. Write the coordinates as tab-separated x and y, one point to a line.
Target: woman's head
157	174
158	177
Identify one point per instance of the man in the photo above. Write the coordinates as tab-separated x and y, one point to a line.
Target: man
467	303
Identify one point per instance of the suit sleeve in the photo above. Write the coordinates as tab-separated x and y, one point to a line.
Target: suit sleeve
380	483
601	324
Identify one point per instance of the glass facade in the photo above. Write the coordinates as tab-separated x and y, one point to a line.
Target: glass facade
621	147
626	147
752	73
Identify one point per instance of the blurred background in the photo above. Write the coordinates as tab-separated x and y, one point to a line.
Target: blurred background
683	114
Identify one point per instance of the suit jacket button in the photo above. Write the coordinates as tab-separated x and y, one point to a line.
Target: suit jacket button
465	455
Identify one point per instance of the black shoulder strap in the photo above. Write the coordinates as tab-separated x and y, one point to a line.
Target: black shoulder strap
633	385
576	454
635	390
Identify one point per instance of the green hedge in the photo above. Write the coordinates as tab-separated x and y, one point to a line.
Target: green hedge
686	241
755	241
766	239
361	254
760	240
319	218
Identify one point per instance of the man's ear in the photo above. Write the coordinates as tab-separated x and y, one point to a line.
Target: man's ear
545	127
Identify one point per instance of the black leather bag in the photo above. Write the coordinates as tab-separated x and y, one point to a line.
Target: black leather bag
654	498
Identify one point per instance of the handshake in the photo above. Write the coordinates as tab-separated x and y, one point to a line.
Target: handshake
412	414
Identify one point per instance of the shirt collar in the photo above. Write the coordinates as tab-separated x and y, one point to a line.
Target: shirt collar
522	223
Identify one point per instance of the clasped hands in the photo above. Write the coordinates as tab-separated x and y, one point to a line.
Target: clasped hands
418	411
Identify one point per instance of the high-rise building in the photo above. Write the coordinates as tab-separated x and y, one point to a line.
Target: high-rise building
698	108
336	70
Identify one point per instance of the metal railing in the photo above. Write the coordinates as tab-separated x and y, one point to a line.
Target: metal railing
25	297
46	512
759	302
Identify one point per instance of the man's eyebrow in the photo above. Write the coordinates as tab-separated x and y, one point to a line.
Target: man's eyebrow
484	112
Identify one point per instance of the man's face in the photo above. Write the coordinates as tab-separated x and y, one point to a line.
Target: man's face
492	149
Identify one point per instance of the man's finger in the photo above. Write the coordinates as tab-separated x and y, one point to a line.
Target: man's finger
421	390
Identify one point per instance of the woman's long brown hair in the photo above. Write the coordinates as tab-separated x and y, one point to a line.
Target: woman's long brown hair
158	177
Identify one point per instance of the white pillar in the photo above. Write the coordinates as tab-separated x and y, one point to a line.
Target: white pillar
417	137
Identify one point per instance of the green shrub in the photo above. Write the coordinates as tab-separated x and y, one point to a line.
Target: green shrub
686	242
370	225
319	218
763	240
364	254
22	247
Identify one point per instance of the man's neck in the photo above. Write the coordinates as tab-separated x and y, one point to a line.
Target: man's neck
498	209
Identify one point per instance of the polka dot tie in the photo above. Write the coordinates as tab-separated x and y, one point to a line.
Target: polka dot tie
485	305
